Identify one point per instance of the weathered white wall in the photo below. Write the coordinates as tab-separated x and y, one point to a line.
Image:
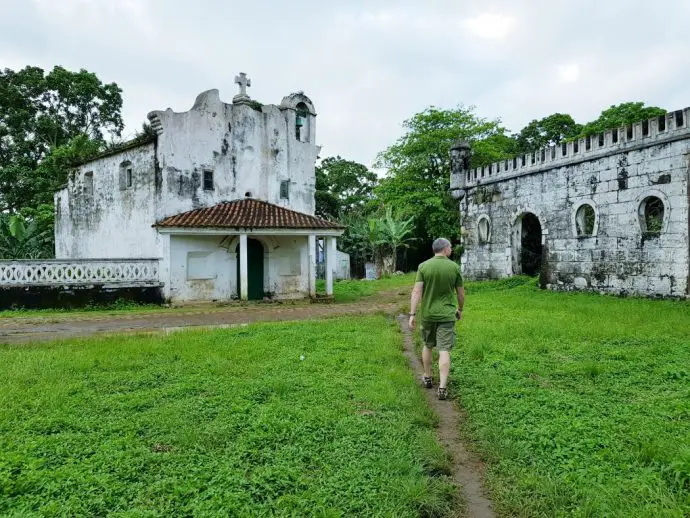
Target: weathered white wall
220	281
114	221
614	178
249	147
342	269
285	267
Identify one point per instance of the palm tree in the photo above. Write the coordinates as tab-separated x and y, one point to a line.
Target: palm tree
390	235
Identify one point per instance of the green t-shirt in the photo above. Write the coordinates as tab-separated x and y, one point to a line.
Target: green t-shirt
441	278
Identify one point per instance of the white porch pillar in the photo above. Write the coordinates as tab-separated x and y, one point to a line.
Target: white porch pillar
244	274
330	263
312	265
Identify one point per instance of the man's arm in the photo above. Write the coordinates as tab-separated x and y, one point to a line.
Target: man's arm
461	301
414	301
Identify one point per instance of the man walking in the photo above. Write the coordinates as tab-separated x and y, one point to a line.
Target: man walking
438	279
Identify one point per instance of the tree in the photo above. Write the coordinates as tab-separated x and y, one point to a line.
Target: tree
24	238
418	166
550	130
355	241
392	233
342	186
376	238
42	112
621	115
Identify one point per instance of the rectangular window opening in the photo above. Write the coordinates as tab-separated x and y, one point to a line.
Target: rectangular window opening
514	163
543	155
645	128
629	133
88	183
553	152
129	177
208	180
576	146
524	160
534	158
614	136
679	119
661	123
564	149
505	166
588	143
285	190
200	266
601	139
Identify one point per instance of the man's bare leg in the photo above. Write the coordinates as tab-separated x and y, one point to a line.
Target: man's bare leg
443	367
427	361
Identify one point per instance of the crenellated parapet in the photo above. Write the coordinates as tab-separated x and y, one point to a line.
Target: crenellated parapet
663	129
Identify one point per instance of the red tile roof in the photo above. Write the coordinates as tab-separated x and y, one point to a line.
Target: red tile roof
247	213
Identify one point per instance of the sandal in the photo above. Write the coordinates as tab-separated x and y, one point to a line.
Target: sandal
427	381
442	393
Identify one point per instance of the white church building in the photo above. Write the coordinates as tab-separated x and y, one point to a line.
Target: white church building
222	196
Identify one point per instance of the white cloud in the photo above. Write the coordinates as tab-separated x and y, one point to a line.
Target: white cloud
490	26
569	73
366	67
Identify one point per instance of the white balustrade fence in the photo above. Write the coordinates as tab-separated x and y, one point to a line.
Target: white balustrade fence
79	272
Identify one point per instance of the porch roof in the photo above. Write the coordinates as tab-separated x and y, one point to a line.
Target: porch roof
247	214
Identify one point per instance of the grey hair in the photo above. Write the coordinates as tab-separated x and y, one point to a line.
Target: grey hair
440	245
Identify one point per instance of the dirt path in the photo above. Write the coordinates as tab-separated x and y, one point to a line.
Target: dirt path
467	468
57	327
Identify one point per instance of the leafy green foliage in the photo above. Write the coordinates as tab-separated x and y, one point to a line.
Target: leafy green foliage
547	131
342	186
40	112
28	235
376	237
218	423
621	115
392	233
580	403
418	166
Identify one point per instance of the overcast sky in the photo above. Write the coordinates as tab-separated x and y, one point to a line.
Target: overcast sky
366	65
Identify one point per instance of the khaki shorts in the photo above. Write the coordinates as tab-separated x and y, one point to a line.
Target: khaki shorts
438	334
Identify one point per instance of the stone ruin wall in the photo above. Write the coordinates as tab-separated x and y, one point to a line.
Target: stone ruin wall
615	173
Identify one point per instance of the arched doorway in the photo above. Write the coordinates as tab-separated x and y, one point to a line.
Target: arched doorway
527	245
255	269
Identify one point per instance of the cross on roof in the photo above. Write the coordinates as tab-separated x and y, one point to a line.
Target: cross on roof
244	82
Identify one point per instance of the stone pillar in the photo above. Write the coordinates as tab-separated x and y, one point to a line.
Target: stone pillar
244	274
164	265
312	265
330	263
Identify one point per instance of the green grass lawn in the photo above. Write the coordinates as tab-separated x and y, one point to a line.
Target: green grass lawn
580	403
220	423
355	289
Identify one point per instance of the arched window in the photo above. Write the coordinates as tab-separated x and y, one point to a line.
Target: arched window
483	230
302	123
585	219
651	214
